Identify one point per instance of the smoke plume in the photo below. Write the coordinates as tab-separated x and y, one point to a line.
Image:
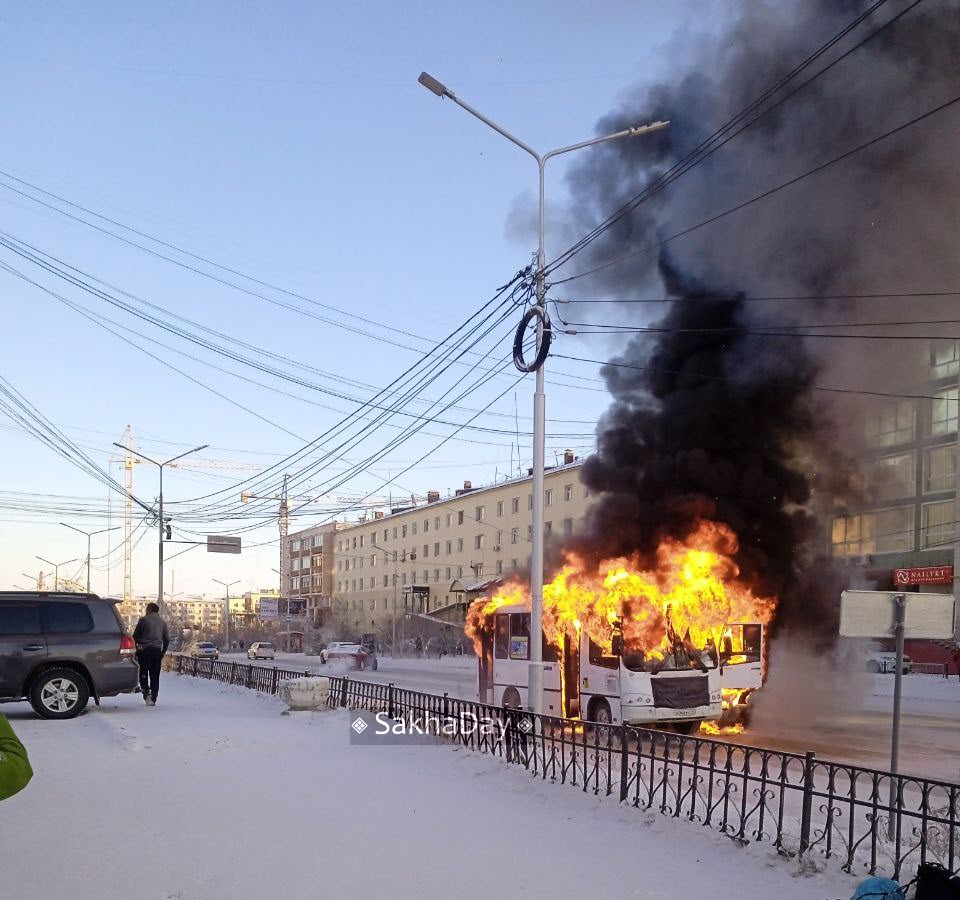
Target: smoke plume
710	419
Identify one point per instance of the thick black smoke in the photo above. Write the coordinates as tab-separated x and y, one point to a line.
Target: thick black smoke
715	421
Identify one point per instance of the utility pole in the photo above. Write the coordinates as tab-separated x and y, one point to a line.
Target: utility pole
129	461
162	527
226	611
89	535
56	570
539	312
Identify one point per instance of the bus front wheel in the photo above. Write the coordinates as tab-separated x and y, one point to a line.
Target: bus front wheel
511	698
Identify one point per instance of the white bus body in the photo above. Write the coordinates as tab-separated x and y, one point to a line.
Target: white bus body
741	658
593	686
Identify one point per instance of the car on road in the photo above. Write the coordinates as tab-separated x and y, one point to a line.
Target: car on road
885	662
358	656
261	650
59	649
205	650
333	647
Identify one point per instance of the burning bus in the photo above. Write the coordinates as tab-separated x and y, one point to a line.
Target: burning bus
672	644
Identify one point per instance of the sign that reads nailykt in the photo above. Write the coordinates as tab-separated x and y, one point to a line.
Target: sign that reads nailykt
923	575
223	543
871	614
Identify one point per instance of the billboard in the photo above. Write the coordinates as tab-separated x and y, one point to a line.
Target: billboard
269	609
871	614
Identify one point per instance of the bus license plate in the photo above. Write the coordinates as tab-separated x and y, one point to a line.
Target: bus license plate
680	713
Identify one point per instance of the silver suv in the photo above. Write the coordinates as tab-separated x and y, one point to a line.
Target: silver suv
59	649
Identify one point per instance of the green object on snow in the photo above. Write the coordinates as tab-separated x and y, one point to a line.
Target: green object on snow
15	771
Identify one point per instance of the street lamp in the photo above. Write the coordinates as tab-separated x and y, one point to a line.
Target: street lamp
89	535
56	570
160	522
37	578
226	611
539	399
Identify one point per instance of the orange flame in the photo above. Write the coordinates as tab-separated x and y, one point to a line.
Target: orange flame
692	594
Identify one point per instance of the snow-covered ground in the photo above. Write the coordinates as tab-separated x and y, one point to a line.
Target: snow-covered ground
213	794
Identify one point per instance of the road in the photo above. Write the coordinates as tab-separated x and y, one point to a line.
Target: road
858	734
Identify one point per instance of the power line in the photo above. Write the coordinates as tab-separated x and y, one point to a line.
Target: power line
688	374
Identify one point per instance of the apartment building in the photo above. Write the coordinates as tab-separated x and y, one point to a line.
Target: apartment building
308	566
436	557
195	613
911	521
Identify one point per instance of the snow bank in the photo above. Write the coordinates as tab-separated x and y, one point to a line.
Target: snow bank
213	795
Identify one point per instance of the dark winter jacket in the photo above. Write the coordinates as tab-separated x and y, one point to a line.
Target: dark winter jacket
15	771
151	631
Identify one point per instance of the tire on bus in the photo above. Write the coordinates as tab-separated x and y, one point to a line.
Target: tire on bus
511	698
600	718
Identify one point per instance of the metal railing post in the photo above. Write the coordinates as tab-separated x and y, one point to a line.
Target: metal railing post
343	692
390	705
273	681
624	760
249	675
807	810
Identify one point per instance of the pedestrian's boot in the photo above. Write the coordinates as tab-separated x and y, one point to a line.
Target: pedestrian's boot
151	701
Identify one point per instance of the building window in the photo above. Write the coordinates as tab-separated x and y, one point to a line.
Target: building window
515	505
436	575
499	508
436	523
479	514
499	566
945	358
514	535
881	531
385	580
547	528
940	469
513	563
459	545
426	525
548	497
529	532
413	527
891	423
478	542
943	417
436	548
939	523
372	585
459	571
426	551
448	572
568	492
460	517
385	533
896	476
403	531
529	501
568	526
449	519
361	540
403	578
449	547
373	537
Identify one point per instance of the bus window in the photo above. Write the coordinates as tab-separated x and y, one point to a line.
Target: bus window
519	635
753	642
599	658
501	638
550	653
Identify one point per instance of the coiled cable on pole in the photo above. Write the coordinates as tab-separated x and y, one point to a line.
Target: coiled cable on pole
543	345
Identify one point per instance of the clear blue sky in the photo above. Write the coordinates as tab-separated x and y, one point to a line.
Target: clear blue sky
290	141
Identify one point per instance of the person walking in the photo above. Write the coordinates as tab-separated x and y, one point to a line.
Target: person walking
15	771
152	640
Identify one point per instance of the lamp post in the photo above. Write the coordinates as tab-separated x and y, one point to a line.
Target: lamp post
539	398
89	535
160	520
56	570
226	612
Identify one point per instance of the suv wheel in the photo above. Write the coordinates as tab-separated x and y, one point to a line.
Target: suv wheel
59	694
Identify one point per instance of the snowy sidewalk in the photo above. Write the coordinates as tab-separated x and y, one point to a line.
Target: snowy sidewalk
215	796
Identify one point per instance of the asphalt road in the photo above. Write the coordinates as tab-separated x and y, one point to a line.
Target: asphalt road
930	735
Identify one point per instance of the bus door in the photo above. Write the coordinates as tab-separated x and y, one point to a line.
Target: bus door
485	670
571	677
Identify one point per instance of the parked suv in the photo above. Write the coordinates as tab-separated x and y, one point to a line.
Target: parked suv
59	649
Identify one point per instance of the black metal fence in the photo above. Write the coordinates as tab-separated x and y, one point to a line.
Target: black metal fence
869	820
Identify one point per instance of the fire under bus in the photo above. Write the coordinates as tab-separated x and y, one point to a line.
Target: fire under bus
679	689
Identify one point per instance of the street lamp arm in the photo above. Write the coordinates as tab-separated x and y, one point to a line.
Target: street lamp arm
137	453
182	455
634	131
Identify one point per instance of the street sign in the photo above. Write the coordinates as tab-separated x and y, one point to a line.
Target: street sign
870	614
222	543
269	609
924	575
